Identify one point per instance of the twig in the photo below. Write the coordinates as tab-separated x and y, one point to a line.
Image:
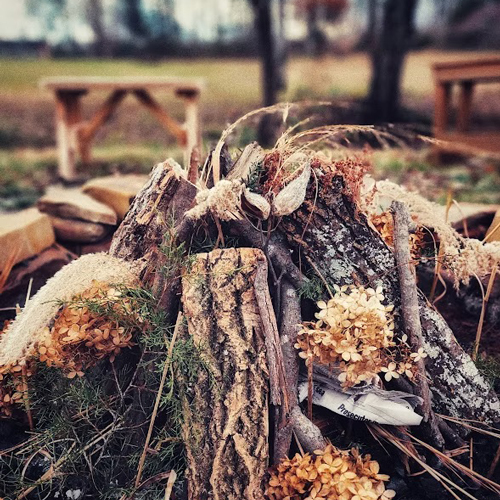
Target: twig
410	310
290	319
157	401
318	272
277	378
47	475
437	270
486	298
494	463
194	165
276	250
310	385
170	484
307	433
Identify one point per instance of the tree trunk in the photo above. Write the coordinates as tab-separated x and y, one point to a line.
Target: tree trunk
268	26
270	32
329	230
95	14
389	51
227	418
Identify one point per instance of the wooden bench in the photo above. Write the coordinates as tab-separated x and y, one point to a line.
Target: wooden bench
466	74
74	136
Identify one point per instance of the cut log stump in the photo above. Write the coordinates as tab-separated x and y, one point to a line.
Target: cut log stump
227	418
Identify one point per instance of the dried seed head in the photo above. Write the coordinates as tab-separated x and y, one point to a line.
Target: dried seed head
293	195
255	205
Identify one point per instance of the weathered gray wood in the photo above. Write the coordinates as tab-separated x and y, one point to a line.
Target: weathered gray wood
328	229
411	315
290	320
158	207
155	219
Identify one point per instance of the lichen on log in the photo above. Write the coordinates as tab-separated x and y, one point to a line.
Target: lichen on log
329	229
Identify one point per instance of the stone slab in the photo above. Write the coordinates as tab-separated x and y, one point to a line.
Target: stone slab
24	234
73	204
78	231
116	191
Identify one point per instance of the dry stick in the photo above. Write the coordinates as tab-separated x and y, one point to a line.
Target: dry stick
277	377
437	271
194	165
276	250
170	484
410	310
310	385
47	475
157	402
471	454
307	433
290	319
494	464
486	298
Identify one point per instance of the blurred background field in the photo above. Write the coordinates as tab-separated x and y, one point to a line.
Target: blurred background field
339	71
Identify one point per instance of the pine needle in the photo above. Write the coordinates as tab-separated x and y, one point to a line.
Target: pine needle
486	298
157	401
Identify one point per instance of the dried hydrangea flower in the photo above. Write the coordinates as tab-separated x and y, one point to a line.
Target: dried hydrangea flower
329	474
355	331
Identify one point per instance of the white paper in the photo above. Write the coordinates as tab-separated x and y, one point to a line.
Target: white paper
377	406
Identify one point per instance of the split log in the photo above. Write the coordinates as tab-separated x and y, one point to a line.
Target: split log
160	205
329	230
156	218
227	418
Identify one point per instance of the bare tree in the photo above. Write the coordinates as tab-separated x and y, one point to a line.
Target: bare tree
133	17
95	16
389	47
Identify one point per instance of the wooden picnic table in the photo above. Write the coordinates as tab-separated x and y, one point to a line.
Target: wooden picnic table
74	135
466	74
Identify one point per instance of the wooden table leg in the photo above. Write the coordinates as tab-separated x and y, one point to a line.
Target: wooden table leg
68	116
163	117
191	126
441	106
88	131
464	105
441	109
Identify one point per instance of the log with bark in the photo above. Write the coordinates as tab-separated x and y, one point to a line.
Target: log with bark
282	228
236	323
329	230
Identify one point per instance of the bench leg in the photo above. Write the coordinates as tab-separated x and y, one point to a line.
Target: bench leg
68	116
192	127
464	105
442	106
442	98
88	131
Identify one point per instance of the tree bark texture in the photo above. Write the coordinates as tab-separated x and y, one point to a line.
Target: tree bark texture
160	205
329	230
227	418
155	219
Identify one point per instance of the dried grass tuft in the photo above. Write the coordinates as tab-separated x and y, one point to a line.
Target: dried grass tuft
464	257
